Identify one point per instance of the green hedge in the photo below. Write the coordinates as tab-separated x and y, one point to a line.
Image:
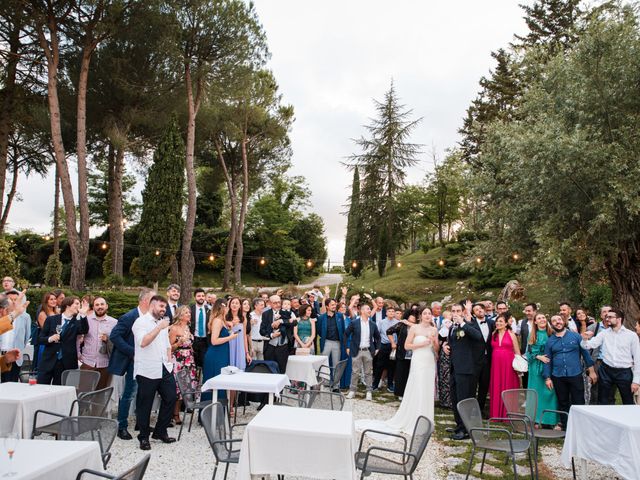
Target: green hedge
119	302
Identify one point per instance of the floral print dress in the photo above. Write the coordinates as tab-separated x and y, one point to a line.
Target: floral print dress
183	359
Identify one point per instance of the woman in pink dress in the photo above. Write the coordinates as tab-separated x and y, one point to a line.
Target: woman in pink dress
503	377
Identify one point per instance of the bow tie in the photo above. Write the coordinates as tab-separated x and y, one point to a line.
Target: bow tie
482	322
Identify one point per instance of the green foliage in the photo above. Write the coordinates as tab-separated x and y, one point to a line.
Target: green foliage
284	265
596	296
53	270
161	223
458	248
119	302
450	269
471	235
353	248
9	265
106	264
495	277
310	242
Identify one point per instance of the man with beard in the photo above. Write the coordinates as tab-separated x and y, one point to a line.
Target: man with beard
94	351
198	326
566	312
484	368
563	371
596	353
153	369
330	328
523	329
173	297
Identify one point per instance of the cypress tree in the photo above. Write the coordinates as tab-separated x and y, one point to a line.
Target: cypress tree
161	221
354	227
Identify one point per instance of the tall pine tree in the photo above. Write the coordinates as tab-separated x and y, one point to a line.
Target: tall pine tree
386	154
161	220
354	229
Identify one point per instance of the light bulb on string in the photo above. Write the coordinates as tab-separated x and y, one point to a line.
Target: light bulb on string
309	264
157	253
516	257
441	263
478	260
47	238
211	258
354	264
262	262
399	264
104	246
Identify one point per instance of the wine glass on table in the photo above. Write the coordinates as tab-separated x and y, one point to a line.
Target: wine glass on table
10	443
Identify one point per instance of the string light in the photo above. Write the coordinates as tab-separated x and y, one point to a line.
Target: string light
104	246
441	262
157	253
354	264
262	262
309	264
399	264
211	258
47	238
516	257
478	260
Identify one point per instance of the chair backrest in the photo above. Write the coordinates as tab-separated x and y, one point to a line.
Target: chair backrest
90	429
521	402
187	391
94	404
137	471
218	431
421	434
262	366
292	397
469	411
83	380
27	364
338	372
24	376
322	400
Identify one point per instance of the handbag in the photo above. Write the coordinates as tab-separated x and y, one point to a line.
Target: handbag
520	364
303	351
392	355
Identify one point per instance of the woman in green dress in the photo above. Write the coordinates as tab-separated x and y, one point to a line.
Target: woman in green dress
305	332
547	399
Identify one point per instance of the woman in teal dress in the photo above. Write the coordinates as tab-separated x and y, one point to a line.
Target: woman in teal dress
547	399
217	356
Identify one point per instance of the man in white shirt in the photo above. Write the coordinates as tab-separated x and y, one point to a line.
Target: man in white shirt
17	338
153	369
620	359
257	340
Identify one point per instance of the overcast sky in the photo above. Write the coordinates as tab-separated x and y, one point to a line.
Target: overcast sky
331	58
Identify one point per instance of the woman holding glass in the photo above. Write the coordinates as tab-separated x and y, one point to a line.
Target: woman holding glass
181	341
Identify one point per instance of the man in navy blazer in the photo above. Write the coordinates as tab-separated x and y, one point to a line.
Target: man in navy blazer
363	342
59	335
330	328
121	360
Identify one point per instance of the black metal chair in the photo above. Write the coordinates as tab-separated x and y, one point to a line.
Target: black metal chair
221	442
523	403
83	380
190	398
91	429
27	364
330	377
91	404
24	376
391	461
488	437
293	397
134	473
323	400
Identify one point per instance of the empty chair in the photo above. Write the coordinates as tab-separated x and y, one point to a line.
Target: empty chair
91	404
134	473
83	380
91	429
293	397
523	403
190	398
222	443
492	436
329	377
323	400
392	461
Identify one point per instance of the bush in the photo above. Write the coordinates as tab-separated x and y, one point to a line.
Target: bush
494	277
287	267
119	302
457	248
53	271
450	269
471	235
597	296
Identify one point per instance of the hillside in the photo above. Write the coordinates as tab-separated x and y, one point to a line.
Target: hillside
405	284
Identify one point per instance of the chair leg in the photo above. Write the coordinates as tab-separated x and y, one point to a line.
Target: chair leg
215	470
535	454
184	419
193	412
473	452
484	456
515	468
573	468
531	466
226	471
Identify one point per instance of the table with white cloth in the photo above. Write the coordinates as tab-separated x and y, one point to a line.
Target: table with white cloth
51	459
607	434
19	402
299	441
271	383
302	368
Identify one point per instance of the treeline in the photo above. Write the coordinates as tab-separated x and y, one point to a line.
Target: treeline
547	168
178	91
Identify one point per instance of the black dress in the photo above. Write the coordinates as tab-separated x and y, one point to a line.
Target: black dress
403	358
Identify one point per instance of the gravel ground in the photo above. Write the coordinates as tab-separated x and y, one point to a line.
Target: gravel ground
192	458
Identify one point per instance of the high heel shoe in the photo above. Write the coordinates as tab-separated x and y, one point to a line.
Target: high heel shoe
176	419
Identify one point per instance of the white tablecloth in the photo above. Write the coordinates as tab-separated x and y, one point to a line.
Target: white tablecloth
302	368
51	459
272	383
299	441
607	434
19	402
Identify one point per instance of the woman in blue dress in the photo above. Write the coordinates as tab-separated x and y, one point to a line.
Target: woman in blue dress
217	356
345	381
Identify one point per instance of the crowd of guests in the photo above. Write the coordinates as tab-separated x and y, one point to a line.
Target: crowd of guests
571	358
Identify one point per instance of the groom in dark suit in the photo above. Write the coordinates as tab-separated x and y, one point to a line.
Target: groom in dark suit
487	326
59	335
466	346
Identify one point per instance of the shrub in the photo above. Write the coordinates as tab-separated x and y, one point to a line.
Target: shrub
457	248
119	302
450	269
494	277
53	271
597	296
472	235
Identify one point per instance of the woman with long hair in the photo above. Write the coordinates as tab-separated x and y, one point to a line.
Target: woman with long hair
505	347
239	355
181	341
217	356
305	331
403	356
48	306
547	399
583	321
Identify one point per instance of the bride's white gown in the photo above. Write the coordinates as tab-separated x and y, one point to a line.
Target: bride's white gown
418	396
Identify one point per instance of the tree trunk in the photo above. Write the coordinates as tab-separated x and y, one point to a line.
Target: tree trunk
233	202
10	195
624	275
175	271
243	214
187	262
115	209
8	104
56	213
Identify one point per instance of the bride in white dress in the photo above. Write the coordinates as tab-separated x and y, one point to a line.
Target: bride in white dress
419	393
